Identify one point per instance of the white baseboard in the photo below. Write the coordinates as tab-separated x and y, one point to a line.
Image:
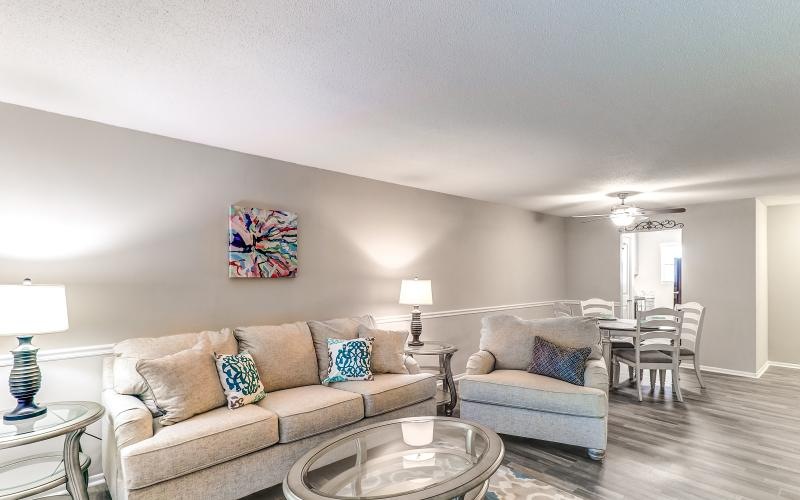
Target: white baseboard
96	479
758	374
726	371
781	364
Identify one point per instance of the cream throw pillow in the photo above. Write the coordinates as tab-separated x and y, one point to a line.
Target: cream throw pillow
128	352
183	384
388	354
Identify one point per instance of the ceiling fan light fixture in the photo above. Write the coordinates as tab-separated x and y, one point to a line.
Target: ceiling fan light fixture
622	217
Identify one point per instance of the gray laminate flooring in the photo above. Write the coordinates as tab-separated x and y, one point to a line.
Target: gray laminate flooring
737	438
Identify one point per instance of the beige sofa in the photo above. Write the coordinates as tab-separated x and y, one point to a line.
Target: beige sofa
228	454
498	392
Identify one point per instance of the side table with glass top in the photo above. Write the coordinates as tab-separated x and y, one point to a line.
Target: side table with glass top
448	396
34	474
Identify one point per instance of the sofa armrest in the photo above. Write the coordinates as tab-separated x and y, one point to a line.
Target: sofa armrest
596	375
130	419
480	363
411	365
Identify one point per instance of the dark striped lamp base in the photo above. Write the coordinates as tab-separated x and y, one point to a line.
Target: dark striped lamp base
25	381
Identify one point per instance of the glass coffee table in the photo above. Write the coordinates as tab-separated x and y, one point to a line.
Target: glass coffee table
410	458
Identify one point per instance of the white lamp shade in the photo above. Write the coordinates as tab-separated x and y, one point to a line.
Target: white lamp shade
32	309
416	292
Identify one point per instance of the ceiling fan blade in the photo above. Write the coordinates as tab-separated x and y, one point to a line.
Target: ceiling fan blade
588	216
596	218
656	211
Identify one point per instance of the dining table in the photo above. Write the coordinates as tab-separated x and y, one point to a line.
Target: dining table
611	328
618	328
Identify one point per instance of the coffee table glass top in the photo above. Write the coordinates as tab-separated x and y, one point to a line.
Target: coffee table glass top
400	458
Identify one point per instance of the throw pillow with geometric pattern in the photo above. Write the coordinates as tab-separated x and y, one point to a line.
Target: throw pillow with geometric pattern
555	361
349	360
239	377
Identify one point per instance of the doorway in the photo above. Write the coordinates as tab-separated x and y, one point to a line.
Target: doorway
651	270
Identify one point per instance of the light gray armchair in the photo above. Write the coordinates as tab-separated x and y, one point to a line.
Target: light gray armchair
498	391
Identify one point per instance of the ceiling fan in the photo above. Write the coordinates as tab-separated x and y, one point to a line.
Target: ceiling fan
625	214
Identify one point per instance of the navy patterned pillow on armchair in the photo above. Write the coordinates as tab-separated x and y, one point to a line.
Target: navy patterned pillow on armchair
555	361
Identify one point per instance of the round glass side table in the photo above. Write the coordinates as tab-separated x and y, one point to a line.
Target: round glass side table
448	396
28	476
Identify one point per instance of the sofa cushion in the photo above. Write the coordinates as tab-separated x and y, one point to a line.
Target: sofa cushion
128	381
390	391
340	328
312	409
510	339
184	384
529	391
202	441
388	349
284	354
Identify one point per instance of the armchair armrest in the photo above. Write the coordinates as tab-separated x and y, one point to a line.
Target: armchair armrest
129	418
480	363
596	375
411	365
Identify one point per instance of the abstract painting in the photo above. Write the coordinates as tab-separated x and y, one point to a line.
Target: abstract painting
262	243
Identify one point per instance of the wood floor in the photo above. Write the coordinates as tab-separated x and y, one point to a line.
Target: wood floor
738	438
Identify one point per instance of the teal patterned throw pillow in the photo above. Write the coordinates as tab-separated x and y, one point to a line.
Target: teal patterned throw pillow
240	379
349	360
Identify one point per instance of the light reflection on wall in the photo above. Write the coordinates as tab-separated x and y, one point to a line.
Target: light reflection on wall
52	230
394	244
69	226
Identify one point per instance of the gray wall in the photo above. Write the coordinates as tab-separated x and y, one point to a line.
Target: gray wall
592	260
784	283
719	263
136	226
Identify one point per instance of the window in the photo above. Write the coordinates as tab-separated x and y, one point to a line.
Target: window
669	252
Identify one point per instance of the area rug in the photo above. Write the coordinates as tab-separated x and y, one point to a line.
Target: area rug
511	484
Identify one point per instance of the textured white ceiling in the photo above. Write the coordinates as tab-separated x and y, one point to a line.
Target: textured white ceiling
544	105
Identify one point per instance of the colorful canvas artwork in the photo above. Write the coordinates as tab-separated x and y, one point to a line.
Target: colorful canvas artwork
262	243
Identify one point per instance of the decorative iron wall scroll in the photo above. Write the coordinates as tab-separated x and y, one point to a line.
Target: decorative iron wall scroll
652	225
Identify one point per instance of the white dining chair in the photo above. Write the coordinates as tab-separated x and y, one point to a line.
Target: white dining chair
562	310
694	315
600	307
597	307
656	347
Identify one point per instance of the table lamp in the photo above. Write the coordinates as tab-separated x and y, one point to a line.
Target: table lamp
27	310
416	293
